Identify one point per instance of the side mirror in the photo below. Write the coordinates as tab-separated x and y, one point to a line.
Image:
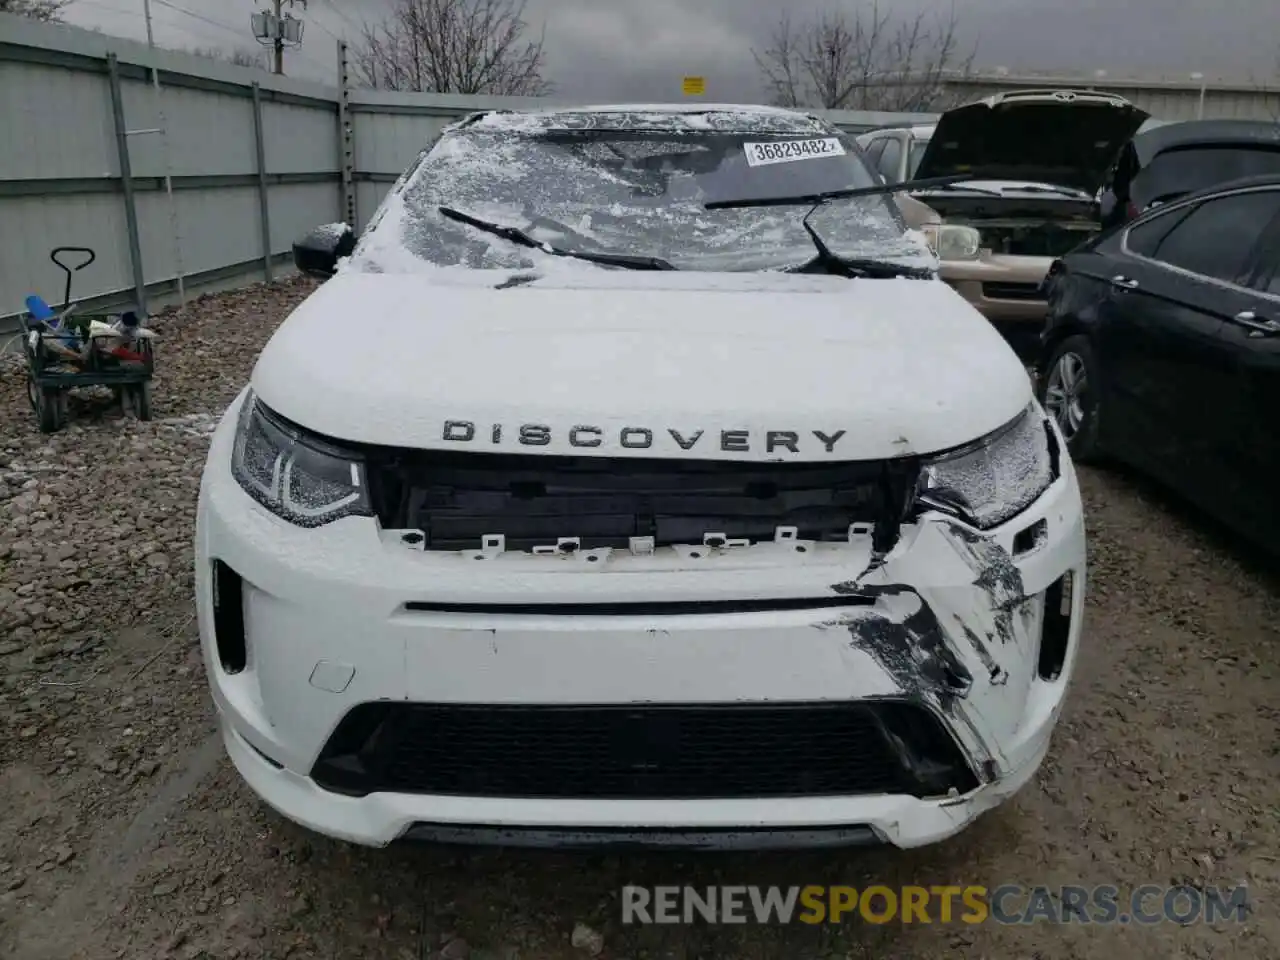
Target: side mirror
317	253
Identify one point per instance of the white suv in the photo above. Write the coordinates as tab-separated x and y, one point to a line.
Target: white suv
608	493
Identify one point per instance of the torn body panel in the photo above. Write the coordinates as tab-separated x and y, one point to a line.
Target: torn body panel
955	623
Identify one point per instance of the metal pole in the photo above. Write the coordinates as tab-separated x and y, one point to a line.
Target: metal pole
346	139
279	44
168	167
126	179
1200	106
264	206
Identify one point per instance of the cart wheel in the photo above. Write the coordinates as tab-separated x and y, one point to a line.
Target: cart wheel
33	393
51	408
139	395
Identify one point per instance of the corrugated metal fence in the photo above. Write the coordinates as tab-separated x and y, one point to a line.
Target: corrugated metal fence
250	161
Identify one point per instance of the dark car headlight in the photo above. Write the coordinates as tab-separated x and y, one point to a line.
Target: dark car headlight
293	473
999	475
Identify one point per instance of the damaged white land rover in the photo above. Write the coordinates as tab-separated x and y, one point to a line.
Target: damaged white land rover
634	480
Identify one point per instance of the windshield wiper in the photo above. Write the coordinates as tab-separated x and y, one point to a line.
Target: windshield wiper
516	235
831	262
845	194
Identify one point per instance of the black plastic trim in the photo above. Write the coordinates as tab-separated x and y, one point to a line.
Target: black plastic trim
635	838
1055	631
228	618
644	608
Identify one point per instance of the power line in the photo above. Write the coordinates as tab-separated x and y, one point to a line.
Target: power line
339	11
324	28
107	6
196	16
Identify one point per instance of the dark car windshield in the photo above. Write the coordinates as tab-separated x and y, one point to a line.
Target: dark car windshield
1184	170
635	189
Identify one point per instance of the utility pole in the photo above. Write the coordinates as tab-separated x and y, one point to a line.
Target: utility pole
278	30
279	42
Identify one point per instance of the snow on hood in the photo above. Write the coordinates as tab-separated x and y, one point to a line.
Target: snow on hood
857	369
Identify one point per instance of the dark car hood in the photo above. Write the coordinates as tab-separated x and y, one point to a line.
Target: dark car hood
1062	137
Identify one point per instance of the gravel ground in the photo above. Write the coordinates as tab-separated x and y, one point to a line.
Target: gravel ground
124	832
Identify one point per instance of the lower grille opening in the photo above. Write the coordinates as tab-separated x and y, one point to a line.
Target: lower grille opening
455	499
996	290
644	838
643	751
228	618
1056	628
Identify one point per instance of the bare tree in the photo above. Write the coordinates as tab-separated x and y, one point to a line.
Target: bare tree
864	61
255	60
47	10
452	46
1269	92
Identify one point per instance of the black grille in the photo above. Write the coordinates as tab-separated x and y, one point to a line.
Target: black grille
455	499
1034	240
643	752
1012	291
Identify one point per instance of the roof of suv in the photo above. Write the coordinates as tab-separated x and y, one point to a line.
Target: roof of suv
1183	133
727	117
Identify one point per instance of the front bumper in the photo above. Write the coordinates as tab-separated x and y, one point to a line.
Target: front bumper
952	621
1003	288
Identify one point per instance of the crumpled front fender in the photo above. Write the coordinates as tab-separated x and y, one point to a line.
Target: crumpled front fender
957	621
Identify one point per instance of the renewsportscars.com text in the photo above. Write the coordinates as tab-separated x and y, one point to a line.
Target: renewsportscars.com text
972	904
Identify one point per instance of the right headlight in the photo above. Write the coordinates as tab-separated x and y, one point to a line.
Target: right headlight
953	241
999	475
297	476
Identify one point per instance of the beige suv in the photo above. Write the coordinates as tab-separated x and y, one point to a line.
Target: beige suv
1038	158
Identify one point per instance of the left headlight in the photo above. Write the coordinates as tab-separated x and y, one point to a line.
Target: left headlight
296	475
1001	474
953	241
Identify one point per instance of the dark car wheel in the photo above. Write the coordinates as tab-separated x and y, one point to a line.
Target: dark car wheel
1071	393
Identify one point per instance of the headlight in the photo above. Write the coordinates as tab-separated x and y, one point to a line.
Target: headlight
1001	474
951	241
295	475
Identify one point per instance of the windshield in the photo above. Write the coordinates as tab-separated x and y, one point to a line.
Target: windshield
917	149
635	189
1187	169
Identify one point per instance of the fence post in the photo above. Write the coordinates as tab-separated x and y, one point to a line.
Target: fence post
346	139
126	180
264	199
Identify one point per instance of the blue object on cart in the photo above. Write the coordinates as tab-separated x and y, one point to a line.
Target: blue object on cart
40	310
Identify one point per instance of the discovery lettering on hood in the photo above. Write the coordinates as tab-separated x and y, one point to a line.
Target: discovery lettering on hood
640	438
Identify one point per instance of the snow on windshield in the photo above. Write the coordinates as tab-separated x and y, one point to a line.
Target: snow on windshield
628	184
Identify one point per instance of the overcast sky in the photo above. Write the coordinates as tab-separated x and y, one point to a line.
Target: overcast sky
640	49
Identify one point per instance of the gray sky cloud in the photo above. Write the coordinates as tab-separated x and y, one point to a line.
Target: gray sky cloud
622	50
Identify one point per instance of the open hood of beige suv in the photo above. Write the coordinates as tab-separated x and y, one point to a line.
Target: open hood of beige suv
1062	137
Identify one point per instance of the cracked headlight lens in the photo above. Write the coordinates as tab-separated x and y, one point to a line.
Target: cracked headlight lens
952	241
1001	474
296	475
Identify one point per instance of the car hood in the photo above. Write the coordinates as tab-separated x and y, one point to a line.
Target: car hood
1064	137
609	363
